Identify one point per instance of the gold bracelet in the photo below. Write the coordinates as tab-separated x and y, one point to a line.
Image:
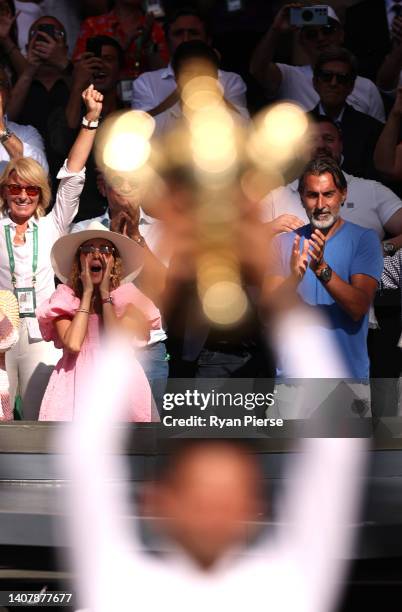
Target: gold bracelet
83	310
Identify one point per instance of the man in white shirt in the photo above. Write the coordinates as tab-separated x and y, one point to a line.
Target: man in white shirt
296	82
208	502
17	140
368	203
192	59
125	215
153	88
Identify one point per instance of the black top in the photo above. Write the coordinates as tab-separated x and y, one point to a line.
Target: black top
360	133
367	35
40	103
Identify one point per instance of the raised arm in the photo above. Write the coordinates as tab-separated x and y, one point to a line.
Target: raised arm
83	144
320	505
23	84
389	71
13	145
72	174
319	514
262	66
10	48
388	151
105	547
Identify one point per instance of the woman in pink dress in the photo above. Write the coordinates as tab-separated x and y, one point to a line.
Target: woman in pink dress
97	298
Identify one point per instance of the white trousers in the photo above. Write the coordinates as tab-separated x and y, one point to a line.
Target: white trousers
29	365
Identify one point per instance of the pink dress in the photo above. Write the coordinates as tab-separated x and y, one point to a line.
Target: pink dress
71	373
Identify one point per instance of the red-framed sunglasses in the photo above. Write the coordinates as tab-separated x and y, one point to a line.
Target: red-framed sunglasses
30	190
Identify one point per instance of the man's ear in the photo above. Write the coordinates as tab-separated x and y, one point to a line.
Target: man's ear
344	196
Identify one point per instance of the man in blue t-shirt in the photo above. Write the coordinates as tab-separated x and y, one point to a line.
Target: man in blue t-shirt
330	263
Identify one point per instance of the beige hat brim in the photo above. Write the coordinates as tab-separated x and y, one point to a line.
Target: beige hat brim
65	248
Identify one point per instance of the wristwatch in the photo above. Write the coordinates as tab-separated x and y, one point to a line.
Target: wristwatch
89	125
5	135
389	248
324	274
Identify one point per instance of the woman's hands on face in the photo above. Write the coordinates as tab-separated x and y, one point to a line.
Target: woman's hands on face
85	276
107	265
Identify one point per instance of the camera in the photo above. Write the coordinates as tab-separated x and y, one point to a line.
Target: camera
307	16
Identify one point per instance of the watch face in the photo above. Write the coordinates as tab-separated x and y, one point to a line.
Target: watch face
325	274
389	248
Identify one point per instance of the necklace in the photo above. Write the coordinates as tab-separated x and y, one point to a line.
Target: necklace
19	237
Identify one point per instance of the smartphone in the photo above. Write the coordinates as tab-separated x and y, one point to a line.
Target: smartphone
234	5
308	16
94	45
49	28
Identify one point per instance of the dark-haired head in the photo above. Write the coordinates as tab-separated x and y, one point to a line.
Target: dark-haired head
196	52
206	493
323	165
337	54
184	24
326	138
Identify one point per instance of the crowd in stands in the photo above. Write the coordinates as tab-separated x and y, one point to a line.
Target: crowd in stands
83	254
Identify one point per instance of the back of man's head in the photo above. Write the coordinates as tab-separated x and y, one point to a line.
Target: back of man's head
198	53
206	491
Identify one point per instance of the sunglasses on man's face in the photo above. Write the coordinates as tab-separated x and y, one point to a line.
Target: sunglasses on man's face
30	190
55	33
104	249
342	78
313	33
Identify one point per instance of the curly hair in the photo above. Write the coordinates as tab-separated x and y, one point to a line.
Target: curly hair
30	171
75	281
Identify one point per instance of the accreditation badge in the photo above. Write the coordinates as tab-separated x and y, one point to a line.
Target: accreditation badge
26	301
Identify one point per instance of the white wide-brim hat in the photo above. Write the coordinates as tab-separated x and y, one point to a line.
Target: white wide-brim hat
65	248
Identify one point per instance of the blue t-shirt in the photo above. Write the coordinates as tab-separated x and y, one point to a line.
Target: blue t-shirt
351	250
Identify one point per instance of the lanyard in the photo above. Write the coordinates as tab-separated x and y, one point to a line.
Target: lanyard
11	254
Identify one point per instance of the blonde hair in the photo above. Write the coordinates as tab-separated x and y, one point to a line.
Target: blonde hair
30	171
75	281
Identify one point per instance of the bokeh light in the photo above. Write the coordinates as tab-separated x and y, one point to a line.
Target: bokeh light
124	144
201	93
280	136
225	303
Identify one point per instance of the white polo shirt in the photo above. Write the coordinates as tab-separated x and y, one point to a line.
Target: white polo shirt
151	88
368	203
